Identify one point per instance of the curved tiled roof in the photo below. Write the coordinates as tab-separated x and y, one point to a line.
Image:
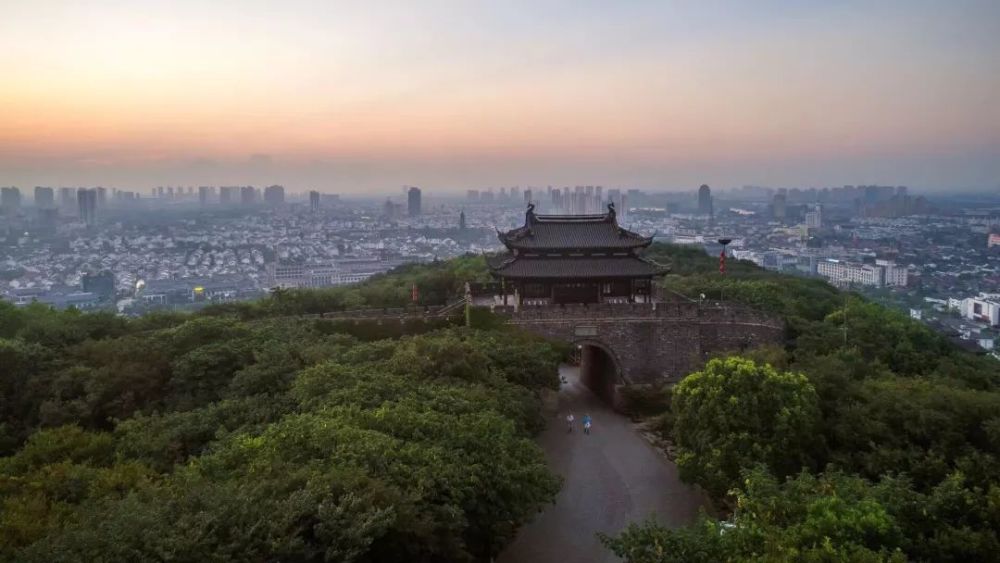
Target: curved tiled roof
572	232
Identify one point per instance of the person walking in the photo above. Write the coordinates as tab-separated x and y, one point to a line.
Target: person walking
569	422
587	421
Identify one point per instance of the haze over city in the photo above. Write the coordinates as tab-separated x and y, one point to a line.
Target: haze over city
351	97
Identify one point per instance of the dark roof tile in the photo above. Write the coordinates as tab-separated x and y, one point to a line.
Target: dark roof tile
572	231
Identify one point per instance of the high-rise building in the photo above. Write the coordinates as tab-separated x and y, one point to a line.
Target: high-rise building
10	201
67	200
45	198
413	201
814	219
779	206
392	210
248	195
203	195
705	201
527	196
472	196
274	195
229	195
314	200
461	220
893	274
87	205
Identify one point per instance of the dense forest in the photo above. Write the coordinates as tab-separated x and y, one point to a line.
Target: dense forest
244	433
868	437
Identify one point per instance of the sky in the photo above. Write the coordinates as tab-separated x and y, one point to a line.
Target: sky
365	96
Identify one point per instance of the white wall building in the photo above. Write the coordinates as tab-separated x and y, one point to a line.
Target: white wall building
984	308
814	219
895	276
839	272
883	273
313	275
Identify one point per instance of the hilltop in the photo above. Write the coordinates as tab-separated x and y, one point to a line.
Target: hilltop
248	432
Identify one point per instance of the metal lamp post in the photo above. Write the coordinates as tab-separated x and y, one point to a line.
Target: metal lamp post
722	265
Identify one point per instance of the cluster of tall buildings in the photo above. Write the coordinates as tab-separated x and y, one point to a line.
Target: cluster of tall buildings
578	200
897	205
84	203
581	200
503	195
413	208
273	196
840	194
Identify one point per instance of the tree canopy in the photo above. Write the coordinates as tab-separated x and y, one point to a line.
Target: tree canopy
227	436
895	428
735	413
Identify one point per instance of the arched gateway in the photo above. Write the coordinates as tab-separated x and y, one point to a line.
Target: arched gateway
580	279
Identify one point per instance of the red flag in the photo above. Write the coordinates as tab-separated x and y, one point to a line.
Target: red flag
414	294
722	261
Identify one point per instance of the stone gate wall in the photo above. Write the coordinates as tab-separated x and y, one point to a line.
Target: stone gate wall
652	342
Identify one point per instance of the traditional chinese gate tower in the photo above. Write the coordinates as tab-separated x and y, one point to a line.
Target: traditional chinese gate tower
559	259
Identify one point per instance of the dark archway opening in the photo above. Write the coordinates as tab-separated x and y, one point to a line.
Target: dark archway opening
599	372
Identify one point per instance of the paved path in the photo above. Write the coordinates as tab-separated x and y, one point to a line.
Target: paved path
611	477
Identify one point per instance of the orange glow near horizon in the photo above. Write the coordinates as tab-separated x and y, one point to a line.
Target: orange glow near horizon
106	88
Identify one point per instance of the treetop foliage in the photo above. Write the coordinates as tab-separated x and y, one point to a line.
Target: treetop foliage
243	433
867	437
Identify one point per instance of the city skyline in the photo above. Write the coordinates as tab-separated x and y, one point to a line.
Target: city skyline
350	98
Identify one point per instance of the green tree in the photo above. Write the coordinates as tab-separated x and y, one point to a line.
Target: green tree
734	414
830	518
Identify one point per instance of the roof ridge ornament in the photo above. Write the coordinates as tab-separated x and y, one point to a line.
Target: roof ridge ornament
529	216
612	215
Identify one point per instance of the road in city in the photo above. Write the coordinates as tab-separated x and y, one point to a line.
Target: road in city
611	477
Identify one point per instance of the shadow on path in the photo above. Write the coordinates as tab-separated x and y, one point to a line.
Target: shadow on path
610	478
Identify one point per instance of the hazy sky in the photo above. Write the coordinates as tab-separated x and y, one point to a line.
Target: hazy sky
369	95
